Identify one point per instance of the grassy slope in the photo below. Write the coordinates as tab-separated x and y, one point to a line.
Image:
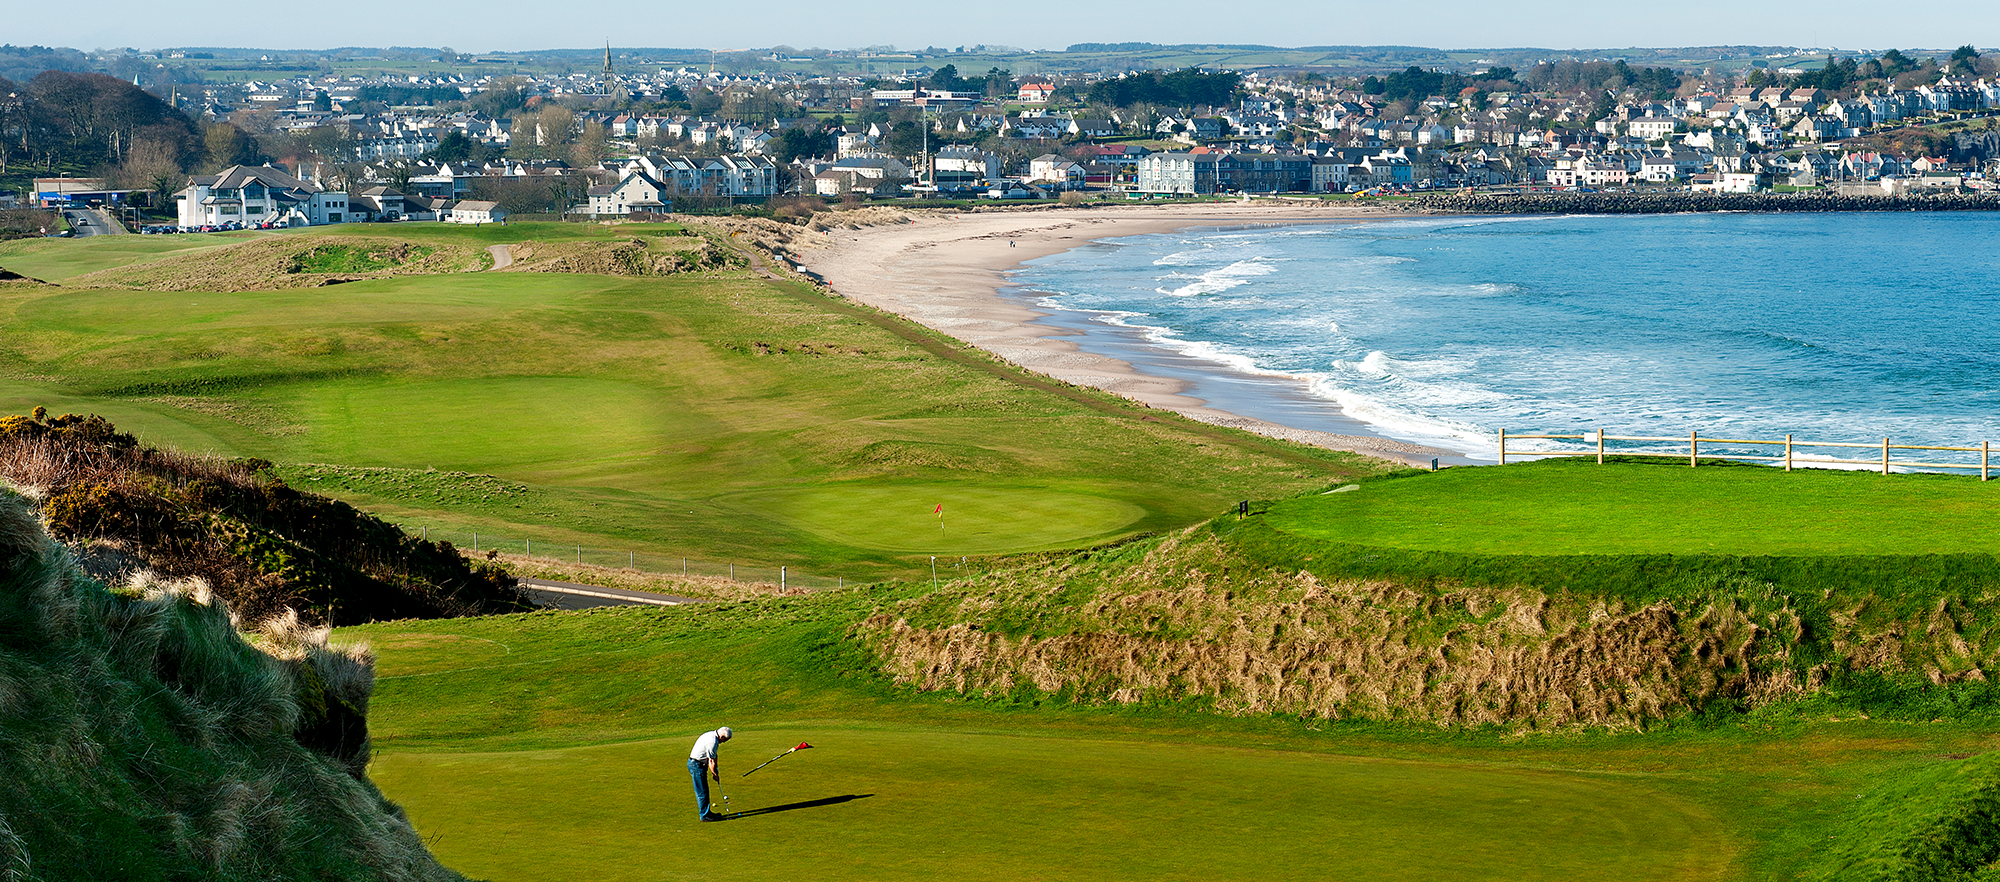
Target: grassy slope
551	746
142	738
726	417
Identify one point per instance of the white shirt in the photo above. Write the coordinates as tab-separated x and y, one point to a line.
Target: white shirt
704	747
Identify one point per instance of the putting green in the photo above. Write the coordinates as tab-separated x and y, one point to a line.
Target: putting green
975	520
1579	507
875	803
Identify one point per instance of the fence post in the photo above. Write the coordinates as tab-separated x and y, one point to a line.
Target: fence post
631	560
1885	456
1788	451
1694	449
531	547
475	540
579	555
1600	445
781	578
1503	446
732	571
1985	448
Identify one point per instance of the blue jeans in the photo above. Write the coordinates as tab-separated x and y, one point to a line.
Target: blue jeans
699	769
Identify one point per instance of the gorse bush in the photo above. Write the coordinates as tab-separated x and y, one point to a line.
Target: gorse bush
141	738
263	546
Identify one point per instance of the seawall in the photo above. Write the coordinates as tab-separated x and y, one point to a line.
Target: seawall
1678	203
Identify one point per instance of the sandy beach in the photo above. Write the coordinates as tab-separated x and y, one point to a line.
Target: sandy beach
947	272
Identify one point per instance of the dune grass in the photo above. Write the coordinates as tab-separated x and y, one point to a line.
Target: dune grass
552	746
722	417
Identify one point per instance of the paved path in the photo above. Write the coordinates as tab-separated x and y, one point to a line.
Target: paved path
502	257
570	595
92	222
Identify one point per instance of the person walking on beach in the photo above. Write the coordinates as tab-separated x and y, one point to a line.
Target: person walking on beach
702	765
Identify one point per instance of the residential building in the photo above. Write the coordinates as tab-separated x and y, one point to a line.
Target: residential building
472	211
1210	173
255	195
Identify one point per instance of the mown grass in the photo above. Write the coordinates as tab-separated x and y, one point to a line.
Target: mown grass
1574	506
1867	546
723	418
56	260
573	728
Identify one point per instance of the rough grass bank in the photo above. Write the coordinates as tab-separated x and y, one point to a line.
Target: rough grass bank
141	738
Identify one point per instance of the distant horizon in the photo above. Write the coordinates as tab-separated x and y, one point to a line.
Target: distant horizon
1007	49
514	26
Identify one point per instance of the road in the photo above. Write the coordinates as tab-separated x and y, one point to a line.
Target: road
92	222
570	595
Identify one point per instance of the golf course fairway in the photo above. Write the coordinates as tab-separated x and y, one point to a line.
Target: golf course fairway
719	415
916	802
554	747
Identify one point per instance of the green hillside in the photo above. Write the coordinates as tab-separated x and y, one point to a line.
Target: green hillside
708	413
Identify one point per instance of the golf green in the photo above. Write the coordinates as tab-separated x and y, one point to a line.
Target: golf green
922	802
1579	507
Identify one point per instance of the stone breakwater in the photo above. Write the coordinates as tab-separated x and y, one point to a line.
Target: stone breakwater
1679	203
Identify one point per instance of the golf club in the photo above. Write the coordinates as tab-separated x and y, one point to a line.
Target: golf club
802	746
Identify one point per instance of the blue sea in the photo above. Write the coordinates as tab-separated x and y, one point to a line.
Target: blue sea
1832	327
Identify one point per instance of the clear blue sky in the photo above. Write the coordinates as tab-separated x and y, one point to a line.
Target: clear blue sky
515	24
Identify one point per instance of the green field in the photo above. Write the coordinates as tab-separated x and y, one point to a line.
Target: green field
553	747
1574	506
58	260
721	417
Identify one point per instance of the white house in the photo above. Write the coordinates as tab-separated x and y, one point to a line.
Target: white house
1329	174
637	190
1053	169
475	212
1651	128
258	195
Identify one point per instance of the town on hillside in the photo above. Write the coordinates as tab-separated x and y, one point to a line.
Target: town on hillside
331	148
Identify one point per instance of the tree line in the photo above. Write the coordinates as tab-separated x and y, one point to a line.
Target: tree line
67	122
1189	87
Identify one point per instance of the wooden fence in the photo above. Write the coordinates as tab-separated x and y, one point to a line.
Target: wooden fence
1694	441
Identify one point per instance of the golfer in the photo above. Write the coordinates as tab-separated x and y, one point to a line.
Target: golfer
701	764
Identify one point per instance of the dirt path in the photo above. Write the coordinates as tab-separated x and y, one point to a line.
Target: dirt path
502	257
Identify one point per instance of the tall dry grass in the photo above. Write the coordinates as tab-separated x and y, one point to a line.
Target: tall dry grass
1185	617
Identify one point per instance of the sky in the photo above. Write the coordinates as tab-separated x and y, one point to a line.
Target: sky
510	25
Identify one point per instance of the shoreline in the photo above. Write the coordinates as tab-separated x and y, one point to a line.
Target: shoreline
952	273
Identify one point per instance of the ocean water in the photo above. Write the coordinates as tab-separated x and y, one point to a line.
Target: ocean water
1831	327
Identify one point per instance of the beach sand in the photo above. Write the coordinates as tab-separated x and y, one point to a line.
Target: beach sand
947	272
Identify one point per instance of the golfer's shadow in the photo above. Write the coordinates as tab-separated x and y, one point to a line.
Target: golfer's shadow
811	803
